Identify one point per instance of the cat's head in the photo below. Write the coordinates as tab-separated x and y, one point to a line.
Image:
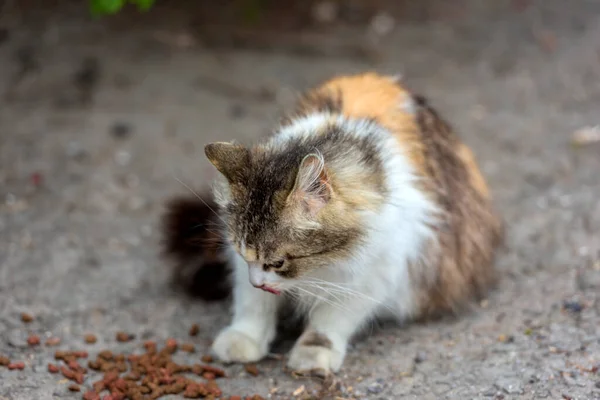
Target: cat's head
284	210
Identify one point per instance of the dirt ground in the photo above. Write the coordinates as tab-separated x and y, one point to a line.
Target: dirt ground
98	118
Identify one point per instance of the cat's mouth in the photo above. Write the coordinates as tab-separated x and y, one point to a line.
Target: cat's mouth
269	289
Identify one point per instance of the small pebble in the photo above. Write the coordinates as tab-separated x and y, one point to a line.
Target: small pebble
120	130
375	388
573	306
299	391
506	338
420	357
75	151
123	157
237	111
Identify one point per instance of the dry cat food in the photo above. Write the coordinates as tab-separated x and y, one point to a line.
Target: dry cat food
17	365
194	330
188	348
53	341
124	337
90	338
27	318
251	369
150	375
33	340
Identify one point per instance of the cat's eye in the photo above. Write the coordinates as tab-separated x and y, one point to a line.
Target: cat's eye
275	265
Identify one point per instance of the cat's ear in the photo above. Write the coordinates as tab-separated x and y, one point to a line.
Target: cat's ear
230	159
312	189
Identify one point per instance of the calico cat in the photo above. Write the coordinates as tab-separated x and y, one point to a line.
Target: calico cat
363	204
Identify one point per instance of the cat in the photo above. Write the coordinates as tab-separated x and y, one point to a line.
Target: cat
363	204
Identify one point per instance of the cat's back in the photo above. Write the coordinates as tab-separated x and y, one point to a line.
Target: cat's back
425	137
366	96
460	259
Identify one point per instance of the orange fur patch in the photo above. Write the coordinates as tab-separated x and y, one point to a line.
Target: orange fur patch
382	99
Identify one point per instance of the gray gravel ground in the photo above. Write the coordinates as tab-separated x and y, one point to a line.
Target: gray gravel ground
79	250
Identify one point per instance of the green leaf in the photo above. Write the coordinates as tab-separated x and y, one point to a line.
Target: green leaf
143	5
100	7
252	10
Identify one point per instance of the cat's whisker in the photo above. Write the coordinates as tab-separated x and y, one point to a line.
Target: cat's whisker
199	198
323	299
345	290
327	291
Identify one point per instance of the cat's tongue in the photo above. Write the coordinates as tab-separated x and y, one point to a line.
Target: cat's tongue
270	290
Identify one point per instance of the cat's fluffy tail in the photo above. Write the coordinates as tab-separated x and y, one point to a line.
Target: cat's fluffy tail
192	241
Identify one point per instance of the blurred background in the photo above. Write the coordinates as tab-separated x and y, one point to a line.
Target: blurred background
101	115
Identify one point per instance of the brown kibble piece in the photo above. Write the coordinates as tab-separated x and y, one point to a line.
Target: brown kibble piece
27	318
171	344
90	338
150	346
194	330
33	340
209	376
124	337
68	373
207	359
188	347
95	365
74	388
53	341
91	396
217	371
16	365
53	369
106	355
80	354
235	398
4	361
251	369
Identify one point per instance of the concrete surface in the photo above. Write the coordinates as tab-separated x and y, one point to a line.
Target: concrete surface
79	250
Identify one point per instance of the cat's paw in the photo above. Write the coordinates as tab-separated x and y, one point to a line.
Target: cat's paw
315	360
235	346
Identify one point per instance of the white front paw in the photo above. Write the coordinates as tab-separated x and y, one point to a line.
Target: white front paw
315	360
234	346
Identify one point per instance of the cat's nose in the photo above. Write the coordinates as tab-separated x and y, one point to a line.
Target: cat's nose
257	276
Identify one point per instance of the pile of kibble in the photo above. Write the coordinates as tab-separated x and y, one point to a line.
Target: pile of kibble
150	375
